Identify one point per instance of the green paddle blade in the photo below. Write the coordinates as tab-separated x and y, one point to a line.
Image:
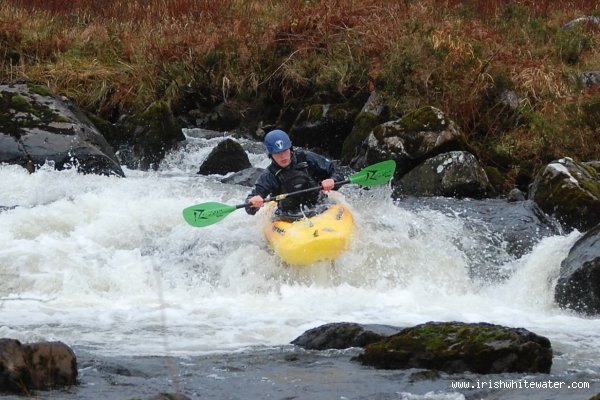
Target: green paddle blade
376	174
207	213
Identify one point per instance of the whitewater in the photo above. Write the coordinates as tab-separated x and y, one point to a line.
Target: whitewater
108	266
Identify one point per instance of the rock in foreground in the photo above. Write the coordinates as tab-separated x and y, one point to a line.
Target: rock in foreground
457	347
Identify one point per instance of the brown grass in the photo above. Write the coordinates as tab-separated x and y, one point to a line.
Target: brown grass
124	54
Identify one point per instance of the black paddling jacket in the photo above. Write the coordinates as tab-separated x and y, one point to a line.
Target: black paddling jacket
306	170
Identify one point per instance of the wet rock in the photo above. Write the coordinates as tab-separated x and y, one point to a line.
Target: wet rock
37	127
227	156
151	134
51	364
453	174
515	195
343	335
43	365
245	177
512	229
15	376
578	286
324	127
570	191
457	347
410	140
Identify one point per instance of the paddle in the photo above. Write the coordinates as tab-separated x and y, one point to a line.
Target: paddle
212	212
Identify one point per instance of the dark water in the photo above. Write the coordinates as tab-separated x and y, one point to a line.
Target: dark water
292	373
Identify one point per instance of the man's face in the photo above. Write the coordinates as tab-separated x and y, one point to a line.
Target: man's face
283	158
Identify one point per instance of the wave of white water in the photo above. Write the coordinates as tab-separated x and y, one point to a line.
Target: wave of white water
109	265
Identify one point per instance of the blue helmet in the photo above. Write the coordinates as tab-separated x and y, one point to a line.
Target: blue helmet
277	141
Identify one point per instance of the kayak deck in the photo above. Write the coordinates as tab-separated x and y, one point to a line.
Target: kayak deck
321	237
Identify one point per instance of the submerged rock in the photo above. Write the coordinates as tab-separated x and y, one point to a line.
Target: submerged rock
453	174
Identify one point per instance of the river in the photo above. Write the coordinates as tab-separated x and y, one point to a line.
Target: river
150	304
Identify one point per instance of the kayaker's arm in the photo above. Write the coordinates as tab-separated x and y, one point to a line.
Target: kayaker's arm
265	185
323	169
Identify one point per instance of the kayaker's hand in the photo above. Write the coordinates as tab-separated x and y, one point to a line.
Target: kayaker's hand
256	201
327	184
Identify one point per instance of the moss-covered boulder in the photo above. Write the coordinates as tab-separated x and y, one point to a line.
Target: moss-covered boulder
410	140
37	127
228	156
578	286
371	115
452	174
570	191
457	347
151	134
324	127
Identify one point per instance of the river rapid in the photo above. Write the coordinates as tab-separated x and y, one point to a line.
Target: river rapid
149	304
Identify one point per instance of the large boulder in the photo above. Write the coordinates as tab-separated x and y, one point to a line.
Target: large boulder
37	127
578	286
410	140
453	174
458	347
227	156
42	365
512	229
570	191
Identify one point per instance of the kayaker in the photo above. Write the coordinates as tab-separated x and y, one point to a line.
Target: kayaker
292	170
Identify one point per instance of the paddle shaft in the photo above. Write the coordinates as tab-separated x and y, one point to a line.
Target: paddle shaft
282	196
209	213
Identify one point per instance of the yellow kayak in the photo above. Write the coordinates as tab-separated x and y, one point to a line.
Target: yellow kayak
321	237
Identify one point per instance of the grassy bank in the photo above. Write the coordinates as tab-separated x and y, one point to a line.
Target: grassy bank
118	56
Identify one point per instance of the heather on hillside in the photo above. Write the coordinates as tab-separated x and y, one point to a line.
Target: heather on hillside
116	56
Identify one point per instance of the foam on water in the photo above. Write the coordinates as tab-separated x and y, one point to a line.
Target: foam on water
109	264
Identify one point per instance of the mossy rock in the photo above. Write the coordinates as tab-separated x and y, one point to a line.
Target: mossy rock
19	112
155	131
496	178
424	119
457	347
41	90
569	191
363	126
